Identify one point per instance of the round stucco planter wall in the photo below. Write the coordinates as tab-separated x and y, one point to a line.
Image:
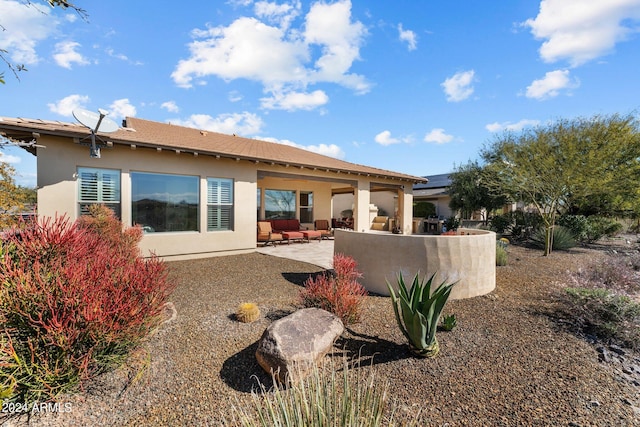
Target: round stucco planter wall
469	259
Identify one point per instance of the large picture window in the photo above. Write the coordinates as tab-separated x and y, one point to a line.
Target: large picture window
98	186
161	202
219	204
279	204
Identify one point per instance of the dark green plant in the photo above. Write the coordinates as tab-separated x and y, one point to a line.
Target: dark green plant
423	209
418	312
449	322
590	228
599	227
562	238
500	223
452	223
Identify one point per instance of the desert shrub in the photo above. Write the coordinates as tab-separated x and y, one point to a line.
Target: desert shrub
501	253
603	299
599	227
577	224
609	316
591	228
500	223
74	301
518	224
562	238
327	397
340	292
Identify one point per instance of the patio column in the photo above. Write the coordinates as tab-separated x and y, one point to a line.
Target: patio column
362	199
405	208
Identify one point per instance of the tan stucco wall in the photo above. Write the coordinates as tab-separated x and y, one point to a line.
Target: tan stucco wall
470	259
57	193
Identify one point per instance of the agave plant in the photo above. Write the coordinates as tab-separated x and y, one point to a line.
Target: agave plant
421	311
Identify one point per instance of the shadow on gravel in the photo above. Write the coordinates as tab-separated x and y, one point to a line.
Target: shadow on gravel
300	278
367	350
242	372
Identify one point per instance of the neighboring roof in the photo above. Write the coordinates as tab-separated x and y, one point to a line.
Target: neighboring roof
146	133
435	181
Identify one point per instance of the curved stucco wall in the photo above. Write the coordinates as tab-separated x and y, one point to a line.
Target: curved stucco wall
468	258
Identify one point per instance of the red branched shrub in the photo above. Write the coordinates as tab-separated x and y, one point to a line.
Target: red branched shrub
340	293
75	298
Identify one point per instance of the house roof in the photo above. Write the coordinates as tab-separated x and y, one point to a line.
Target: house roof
146	133
441	181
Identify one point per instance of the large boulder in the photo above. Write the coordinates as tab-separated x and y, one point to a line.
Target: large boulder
290	347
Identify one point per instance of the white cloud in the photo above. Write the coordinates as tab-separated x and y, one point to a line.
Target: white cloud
234	96
280	14
170	106
551	84
331	150
235	123
9	158
66	105
579	30
121	108
438	136
460	86
408	36
295	101
385	138
284	60
23	27
65	54
516	127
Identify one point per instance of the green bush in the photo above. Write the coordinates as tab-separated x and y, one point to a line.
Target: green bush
577	224
423	209
599	227
500	223
452	223
562	238
590	229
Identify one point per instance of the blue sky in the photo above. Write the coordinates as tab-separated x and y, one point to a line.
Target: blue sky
408	86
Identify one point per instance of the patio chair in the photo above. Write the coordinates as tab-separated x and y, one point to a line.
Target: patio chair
322	225
266	234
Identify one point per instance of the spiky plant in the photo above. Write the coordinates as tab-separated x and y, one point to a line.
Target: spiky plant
247	312
421	310
449	322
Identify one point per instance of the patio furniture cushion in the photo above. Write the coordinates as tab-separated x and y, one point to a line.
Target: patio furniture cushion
266	234
312	234
322	225
292	235
281	225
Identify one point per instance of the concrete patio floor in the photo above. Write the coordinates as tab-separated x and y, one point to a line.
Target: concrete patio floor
314	252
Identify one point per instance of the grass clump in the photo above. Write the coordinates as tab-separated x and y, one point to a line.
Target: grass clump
501	253
339	293
327	397
75	299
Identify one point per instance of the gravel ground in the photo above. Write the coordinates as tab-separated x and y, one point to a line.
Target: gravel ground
511	360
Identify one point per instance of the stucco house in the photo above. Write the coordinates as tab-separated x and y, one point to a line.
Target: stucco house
196	193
